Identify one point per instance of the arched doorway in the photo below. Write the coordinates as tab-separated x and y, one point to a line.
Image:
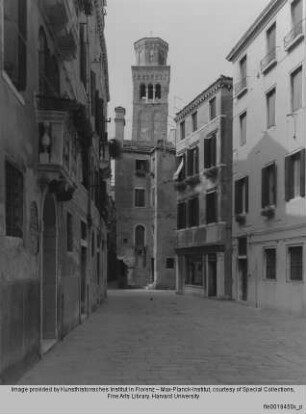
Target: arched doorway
49	279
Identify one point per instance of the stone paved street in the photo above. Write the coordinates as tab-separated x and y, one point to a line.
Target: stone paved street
148	337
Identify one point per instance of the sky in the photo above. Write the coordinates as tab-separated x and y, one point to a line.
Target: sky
200	34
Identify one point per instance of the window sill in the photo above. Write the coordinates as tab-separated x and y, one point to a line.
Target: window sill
294	42
13	88
269	66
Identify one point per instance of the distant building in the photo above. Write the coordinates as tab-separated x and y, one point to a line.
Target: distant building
204	192
269	251
144	194
54	168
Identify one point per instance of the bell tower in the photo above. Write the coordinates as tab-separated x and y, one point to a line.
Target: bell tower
151	79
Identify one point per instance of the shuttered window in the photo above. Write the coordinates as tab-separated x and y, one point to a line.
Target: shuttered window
15	41
193	161
242	196
296	263
296	89
271	108
210	151
13	201
139	197
268	185
295	175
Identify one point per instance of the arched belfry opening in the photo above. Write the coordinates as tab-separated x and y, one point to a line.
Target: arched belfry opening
49	270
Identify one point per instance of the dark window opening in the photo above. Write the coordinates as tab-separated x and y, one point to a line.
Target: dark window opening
170	262
139	197
181	216
142	91
211	207
182	173
93	92
242	196
15	42
270	260
296	263
193	161
158	91
83	55
193	212
194	118
83	230
142	166
210	151
150	91
242	246
243	128
182	129
194	273
13	201
139	236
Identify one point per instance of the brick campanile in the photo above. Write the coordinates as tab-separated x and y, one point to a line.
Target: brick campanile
151	79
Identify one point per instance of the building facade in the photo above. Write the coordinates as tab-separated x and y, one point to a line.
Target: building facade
203	185
144	195
54	169
269	221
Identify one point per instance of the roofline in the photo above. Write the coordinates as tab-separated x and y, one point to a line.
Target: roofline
261	20
220	82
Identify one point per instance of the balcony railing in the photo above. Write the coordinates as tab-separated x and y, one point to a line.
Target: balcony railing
295	33
55	103
268	60
241	86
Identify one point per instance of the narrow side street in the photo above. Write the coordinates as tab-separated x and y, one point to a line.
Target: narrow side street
157	337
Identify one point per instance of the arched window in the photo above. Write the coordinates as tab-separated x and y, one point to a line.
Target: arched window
43	62
157	91
142	91
150	91
139	236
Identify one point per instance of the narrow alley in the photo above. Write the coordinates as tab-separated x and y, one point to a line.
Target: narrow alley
157	337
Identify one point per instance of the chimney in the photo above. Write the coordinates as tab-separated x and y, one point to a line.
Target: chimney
119	123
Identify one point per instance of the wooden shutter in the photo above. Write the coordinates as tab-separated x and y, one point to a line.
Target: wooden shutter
274	172
246	183
196	160
206	153
303	166
213	147
288	179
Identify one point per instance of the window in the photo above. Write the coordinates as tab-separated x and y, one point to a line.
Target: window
194	271
193	161
242	196
150	91
243	128
180	174
295	175
271	108
139	236
243	72
297	16
15	42
170	263
270	264
296	263
193	212
212	109
142	92
139	197
13	201
83	230
181	216
182	130
83	55
268	186
157	91
141	166
43	62
210	153
211	207
271	41
69	233
194	118
93	92
296	89
242	247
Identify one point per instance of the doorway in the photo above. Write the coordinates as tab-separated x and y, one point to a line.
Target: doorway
212	275
243	277
49	276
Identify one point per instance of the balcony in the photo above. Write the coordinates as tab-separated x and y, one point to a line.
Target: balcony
62	19
295	36
241	87
269	61
198	236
